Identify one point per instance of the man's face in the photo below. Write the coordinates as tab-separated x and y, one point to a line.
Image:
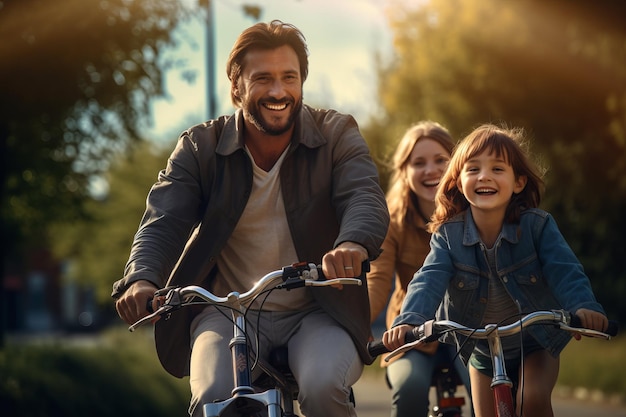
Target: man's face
270	89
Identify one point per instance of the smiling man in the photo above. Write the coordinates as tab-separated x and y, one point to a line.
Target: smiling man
269	91
276	183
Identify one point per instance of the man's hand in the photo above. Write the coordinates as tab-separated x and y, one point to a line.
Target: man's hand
131	306
344	261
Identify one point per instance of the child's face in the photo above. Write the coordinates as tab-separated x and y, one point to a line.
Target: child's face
488	182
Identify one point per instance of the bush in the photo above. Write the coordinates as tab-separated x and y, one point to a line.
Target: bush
112	377
595	364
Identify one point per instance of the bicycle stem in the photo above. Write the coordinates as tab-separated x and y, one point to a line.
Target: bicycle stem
501	384
499	368
239	351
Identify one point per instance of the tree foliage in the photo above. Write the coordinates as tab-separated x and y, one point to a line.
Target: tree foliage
77	76
555	68
99	246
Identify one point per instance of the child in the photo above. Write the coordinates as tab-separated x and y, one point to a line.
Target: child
495	255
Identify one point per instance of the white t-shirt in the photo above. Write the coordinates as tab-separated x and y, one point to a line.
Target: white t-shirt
261	243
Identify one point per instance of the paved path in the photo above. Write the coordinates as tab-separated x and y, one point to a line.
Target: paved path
373	398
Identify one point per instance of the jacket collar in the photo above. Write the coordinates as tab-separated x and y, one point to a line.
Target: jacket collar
413	213
306	132
470	233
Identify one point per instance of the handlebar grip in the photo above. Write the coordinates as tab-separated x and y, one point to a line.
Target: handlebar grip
376	347
611	330
365	268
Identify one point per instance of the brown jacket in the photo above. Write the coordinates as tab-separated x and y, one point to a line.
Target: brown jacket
331	194
404	251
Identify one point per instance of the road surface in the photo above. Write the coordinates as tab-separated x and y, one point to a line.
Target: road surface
373	399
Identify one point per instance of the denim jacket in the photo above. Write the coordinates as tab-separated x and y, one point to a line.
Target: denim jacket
534	262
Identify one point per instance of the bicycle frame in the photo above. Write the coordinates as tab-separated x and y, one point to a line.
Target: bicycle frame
501	384
244	400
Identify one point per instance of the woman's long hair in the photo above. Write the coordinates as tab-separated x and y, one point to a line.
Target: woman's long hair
508	144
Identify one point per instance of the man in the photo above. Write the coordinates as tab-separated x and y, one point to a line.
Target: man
275	183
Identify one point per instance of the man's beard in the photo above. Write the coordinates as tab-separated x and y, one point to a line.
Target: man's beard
253	114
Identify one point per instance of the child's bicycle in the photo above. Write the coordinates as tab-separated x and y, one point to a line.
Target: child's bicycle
501	384
274	393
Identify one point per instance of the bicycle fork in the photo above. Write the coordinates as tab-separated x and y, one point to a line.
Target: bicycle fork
244	401
501	384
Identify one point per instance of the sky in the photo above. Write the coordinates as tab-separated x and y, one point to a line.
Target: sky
343	37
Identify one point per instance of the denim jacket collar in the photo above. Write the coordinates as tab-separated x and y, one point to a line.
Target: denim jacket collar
472	237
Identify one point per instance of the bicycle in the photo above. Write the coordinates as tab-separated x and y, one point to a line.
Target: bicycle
501	384
276	390
445	381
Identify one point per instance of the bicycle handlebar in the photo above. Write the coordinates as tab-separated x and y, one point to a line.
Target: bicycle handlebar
431	330
297	275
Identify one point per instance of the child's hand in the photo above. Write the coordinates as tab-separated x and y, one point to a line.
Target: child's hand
429	348
591	320
394	337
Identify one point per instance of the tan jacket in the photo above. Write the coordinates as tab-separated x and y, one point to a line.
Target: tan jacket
404	251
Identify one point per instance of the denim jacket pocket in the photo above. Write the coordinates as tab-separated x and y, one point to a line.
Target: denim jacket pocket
464	281
535	291
533	278
528	275
460	303
463	289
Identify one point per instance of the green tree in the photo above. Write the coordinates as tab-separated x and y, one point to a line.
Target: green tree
77	77
99	246
553	67
114	75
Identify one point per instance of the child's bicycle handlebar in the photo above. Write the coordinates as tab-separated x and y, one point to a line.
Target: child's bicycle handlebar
432	330
501	384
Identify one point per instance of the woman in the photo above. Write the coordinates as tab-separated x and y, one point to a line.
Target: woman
419	162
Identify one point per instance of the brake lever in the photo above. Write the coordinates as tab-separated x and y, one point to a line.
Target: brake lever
161	310
292	283
586	332
173	301
334	281
403	348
